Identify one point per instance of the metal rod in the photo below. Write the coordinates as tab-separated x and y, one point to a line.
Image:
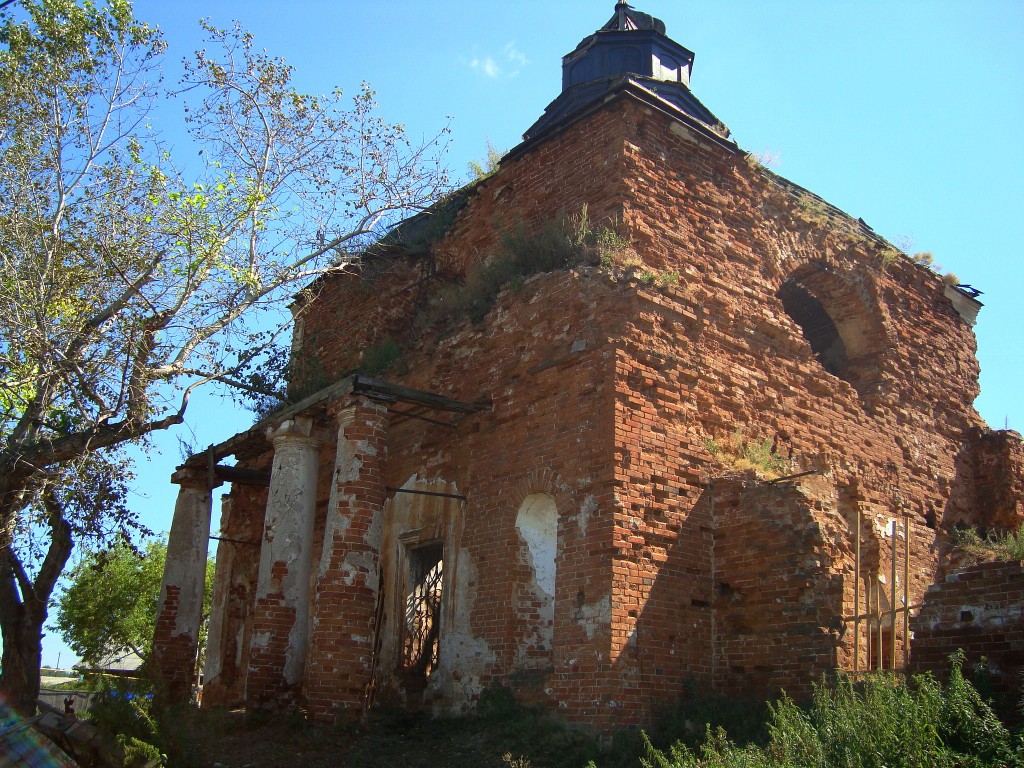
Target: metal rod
856	598
870	626
892	593
793	477
865	616
236	541
410	415
906	592
389	489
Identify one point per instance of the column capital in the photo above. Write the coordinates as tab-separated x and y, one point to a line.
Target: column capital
296	431
343	410
194	477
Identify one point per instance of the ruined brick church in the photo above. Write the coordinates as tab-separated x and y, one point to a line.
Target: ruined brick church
728	461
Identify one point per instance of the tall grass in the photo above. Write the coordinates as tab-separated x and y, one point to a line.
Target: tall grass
882	722
994	546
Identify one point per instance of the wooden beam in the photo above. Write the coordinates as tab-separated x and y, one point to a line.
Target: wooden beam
384	390
242	476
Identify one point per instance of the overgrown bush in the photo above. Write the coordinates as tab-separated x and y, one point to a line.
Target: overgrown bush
561	243
882	722
993	546
741	451
378	359
123	712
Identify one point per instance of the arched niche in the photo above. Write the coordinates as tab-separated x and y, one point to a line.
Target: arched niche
537	526
844	333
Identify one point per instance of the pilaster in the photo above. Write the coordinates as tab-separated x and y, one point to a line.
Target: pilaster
280	629
348	576
179	612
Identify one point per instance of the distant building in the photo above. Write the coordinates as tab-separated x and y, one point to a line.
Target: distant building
723	454
120	663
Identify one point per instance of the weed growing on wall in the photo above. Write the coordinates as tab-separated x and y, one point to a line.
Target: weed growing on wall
994	546
524	250
380	358
741	452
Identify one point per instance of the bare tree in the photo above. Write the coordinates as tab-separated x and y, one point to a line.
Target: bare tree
129	280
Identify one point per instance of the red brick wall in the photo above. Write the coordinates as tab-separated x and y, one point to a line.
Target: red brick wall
345	599
606	390
979	610
999	479
779	586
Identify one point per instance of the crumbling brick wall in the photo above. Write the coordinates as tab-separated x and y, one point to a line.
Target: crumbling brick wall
781	562
999	479
607	388
979	610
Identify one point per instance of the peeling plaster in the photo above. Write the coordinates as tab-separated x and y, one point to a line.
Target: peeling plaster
595	616
537	524
464	659
582	518
260	640
185	567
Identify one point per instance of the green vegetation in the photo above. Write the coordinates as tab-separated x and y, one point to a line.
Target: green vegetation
662	278
380	358
562	243
490	164
883	722
110	603
122	711
993	546
740	452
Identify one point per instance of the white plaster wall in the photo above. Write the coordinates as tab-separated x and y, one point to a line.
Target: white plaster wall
537	526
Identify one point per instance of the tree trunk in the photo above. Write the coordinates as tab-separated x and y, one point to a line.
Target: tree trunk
22	657
24	607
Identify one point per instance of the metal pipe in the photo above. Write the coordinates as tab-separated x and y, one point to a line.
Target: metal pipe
892	595
906	592
856	598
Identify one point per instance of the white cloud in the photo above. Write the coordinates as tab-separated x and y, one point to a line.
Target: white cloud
508	64
485	64
516	58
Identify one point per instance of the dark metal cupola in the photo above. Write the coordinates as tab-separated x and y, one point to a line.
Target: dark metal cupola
630	43
629	54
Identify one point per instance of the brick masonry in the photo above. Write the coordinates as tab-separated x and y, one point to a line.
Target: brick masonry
978	610
673	573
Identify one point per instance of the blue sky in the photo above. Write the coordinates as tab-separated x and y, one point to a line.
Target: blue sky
902	113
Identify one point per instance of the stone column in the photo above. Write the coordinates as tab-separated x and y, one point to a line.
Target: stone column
348	576
179	612
280	628
215	641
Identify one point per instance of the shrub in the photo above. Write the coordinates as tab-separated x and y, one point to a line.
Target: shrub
380	358
562	243
123	712
993	546
741	452
882	722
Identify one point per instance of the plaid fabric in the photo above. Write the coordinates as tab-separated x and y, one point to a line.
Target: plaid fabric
22	746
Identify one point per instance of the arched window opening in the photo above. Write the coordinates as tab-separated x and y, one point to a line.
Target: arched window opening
819	330
844	335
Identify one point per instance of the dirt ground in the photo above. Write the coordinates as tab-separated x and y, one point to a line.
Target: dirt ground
218	739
